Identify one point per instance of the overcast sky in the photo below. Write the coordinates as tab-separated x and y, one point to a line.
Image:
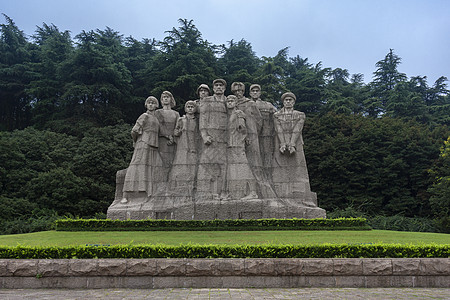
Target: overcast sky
348	34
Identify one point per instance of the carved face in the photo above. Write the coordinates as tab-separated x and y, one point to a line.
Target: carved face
151	105
203	93
231	102
219	88
288	102
239	92
165	99
255	93
189	108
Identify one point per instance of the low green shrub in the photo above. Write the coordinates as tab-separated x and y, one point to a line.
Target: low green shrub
397	222
401	223
228	251
34	223
239	224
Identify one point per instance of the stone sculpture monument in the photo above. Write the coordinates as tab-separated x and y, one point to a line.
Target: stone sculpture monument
226	158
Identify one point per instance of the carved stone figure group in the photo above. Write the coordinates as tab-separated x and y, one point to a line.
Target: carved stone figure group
223	148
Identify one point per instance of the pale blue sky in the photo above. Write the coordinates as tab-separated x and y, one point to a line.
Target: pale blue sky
349	34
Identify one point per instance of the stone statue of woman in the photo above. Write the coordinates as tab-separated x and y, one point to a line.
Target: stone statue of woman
145	167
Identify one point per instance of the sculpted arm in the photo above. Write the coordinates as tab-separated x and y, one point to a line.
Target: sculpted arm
179	126
296	132
137	129
203	125
279	132
170	137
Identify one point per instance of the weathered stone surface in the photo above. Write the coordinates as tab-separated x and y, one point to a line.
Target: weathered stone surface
432	281
141	267
3	267
112	267
297	281
171	267
378	281
227	158
432	266
320	281
402	281
318	267
235	281
350	281
382	266
202	267
172	282
289	266
83	267
108	273
23	267
259	266
53	268
405	266
231	267
348	266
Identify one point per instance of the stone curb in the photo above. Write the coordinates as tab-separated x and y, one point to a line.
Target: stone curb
248	272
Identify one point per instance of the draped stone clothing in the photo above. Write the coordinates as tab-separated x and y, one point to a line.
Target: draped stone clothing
266	134
182	177
240	179
290	175
212	163
144	170
167	119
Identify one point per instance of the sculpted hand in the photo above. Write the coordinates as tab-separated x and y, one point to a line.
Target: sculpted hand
282	148
170	142
292	149
208	140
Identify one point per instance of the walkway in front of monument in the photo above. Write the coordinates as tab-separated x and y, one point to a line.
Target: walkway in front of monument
223	293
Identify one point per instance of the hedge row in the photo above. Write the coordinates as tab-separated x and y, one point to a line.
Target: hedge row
239	224
228	251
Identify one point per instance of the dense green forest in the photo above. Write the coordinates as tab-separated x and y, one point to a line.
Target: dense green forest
67	105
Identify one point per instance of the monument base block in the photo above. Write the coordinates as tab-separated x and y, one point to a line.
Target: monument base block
184	209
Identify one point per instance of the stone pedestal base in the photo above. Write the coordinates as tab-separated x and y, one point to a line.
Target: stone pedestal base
186	209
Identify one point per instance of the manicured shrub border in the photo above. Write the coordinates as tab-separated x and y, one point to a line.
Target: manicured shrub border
228	251
240	224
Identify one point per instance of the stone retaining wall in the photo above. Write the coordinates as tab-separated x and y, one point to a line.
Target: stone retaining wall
224	273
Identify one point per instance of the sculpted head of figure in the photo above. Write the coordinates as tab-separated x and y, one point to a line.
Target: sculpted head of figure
219	86
190	107
151	103
288	100
231	101
255	91
167	99
203	91
238	88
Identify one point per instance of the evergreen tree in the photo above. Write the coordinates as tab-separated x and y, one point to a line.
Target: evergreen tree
139	59
307	82
239	62
54	47
440	190
15	59
386	78
438	102
185	61
272	75
97	83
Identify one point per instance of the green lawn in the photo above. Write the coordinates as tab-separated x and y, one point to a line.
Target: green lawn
63	238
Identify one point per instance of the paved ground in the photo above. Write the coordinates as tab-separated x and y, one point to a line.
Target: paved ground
191	294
